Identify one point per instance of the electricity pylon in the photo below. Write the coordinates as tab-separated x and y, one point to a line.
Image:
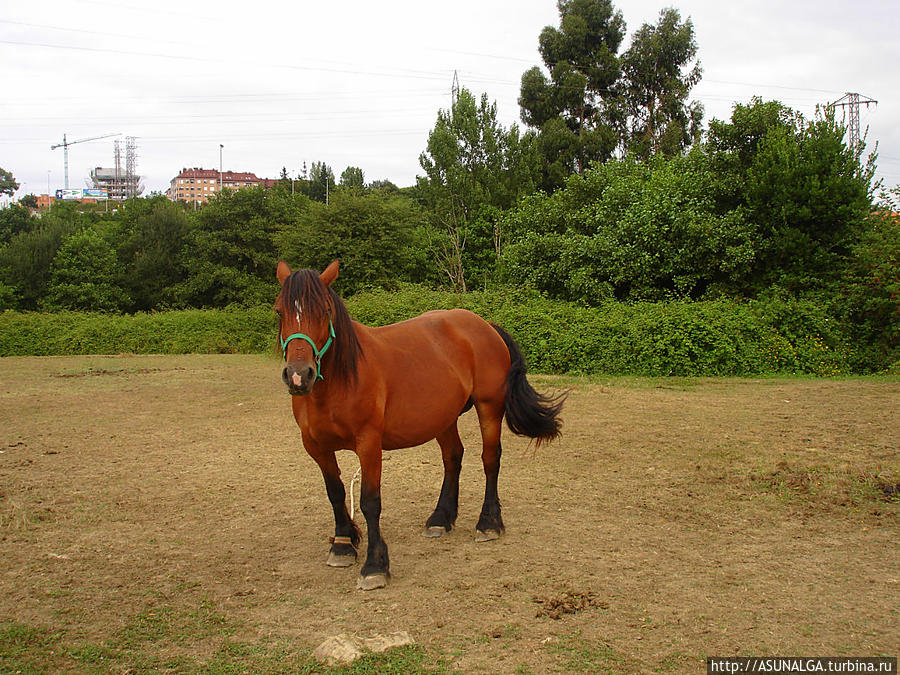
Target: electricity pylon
852	101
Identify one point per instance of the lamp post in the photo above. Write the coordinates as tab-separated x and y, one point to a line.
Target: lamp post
220	167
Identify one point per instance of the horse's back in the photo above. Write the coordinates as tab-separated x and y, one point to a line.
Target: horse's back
430	366
456	337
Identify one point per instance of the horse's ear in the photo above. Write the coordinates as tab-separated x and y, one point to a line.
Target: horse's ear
284	271
330	273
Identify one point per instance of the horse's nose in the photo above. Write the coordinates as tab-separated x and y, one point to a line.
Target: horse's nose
299	380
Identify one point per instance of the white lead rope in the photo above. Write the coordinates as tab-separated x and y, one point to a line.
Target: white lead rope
352	481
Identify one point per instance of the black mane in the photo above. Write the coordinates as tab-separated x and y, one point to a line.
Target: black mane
320	301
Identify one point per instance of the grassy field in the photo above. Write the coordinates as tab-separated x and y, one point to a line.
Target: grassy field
158	514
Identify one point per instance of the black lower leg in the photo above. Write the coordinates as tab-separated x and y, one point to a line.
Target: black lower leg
377	561
346	533
490	519
445	512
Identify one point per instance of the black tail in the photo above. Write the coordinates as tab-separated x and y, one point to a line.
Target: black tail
529	413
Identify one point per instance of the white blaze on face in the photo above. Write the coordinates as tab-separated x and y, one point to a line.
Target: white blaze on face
299	311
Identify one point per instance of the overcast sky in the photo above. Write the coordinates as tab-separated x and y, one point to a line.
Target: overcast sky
355	83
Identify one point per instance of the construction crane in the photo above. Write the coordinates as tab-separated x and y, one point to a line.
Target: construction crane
65	146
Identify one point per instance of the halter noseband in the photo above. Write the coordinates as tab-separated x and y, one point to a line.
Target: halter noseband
317	353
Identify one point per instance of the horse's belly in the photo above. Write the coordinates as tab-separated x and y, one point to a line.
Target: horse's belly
417	417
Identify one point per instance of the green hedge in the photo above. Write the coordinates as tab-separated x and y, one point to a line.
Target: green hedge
176	332
677	338
685	339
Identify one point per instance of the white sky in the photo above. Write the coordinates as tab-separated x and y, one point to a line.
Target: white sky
360	83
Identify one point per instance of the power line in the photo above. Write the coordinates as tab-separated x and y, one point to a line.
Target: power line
769	86
81	31
400	72
262	97
235	117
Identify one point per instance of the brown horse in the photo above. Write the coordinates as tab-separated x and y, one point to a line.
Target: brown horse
373	389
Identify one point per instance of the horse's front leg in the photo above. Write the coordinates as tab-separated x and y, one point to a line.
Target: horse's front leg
346	533
376	570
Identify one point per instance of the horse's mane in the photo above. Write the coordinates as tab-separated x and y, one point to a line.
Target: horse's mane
321	302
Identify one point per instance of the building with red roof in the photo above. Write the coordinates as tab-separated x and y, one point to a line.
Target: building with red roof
198	185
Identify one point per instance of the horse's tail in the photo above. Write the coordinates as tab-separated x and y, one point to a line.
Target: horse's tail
528	412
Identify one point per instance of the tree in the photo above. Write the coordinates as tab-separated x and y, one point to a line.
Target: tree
383	184
808	194
474	168
353	179
773	203
25	262
8	184
229	250
576	108
321	182
734	144
656	88
83	275
799	184
152	234
29	201
14	220
377	235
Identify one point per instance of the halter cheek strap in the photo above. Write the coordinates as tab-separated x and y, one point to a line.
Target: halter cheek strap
317	353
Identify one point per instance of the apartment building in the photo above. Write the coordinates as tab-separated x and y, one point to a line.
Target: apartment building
197	185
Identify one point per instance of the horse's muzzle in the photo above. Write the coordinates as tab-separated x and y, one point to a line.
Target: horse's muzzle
299	380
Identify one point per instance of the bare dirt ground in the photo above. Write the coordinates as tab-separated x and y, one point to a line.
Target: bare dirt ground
159	513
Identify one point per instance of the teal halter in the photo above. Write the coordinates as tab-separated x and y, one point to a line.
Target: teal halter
317	353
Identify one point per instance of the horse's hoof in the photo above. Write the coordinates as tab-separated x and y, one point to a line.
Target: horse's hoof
435	531
486	535
371	582
335	560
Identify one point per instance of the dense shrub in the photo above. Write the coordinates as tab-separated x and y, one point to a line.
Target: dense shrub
690	338
630	230
176	332
868	299
719	337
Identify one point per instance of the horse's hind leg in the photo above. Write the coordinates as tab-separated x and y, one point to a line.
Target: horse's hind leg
490	523
441	521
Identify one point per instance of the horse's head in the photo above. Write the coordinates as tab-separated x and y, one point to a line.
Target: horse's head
306	309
